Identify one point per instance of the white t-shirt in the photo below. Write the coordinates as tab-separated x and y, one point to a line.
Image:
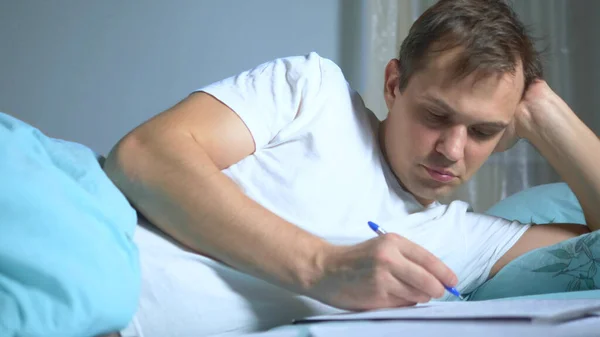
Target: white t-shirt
318	165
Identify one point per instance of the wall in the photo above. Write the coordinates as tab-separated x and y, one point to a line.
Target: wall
89	71
584	54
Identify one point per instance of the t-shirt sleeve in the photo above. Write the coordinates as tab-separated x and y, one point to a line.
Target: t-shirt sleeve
488	238
270	96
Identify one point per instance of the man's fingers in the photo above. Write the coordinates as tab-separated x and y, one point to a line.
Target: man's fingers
430	263
421	275
408	293
419	278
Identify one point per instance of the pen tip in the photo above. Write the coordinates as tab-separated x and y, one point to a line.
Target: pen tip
373	225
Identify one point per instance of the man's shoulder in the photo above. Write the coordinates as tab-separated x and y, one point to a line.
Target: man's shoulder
305	65
312	57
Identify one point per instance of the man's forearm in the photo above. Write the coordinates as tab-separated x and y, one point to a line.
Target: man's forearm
177	187
573	150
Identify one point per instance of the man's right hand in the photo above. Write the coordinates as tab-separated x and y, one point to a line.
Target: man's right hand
387	271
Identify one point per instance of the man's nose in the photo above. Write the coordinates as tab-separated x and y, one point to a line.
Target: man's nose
452	143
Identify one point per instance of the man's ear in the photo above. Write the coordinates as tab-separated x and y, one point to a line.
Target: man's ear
391	85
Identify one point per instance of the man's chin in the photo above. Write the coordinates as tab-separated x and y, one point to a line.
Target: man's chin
426	191
427	195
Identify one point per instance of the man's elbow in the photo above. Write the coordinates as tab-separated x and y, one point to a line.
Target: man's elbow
125	162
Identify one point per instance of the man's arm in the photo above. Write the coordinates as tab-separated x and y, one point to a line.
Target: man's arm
546	121
169	168
567	143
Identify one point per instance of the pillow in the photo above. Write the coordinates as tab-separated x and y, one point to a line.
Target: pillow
567	266
68	265
541	204
571	265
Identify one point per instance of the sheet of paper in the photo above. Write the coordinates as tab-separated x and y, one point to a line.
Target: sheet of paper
288	331
578	328
533	310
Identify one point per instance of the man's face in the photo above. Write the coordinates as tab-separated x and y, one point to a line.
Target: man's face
439	131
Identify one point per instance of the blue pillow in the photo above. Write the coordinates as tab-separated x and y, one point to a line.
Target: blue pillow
68	264
570	265
541	204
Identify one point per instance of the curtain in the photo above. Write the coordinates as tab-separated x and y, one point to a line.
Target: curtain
387	22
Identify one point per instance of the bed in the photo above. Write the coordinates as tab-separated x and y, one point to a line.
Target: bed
73	271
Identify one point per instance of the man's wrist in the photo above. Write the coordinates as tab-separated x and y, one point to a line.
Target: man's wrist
313	268
541	123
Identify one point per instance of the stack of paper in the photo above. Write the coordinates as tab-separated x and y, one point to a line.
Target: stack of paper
588	327
536	311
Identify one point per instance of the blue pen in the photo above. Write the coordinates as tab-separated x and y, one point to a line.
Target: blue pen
380	231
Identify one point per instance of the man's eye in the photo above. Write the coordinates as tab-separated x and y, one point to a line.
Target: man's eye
434	117
482	134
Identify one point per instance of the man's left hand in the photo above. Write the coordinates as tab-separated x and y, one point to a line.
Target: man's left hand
534	111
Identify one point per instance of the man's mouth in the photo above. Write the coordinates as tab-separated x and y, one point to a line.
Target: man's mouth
439	174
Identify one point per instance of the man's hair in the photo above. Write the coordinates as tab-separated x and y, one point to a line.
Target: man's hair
492	40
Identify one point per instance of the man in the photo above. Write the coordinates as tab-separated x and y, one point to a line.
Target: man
276	171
